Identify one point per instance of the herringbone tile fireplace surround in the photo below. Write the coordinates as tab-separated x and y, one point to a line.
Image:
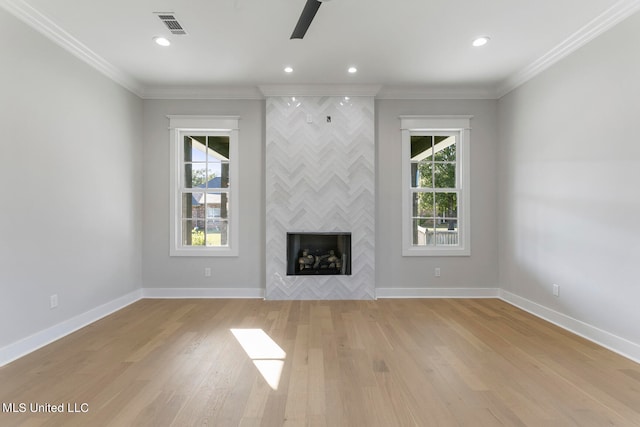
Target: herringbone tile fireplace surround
320	177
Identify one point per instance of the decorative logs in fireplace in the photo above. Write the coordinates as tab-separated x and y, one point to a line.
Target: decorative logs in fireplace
318	253
321	261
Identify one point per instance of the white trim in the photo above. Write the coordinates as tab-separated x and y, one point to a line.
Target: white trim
617	344
52	31
177	293
445	122
39	339
201	92
597	26
434	92
226	125
443	251
417	124
262	91
437	293
319	90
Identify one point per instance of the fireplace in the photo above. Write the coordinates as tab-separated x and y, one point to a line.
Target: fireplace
321	179
318	254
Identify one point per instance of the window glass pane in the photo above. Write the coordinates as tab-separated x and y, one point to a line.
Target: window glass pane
449	224
212	212
446	237
446	232
218	147
207	205
421	147
192	235
222	204
423	231
422	175
444	175
200	206
423	205
188	201
195	148
195	175
445	148
217	233
414	176
218	159
446	205
218	175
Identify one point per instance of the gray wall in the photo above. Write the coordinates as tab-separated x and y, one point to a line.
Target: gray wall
159	269
70	185
392	270
569	173
480	269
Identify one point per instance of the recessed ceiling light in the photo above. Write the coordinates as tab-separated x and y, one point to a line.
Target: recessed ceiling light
162	41
481	41
352	70
288	70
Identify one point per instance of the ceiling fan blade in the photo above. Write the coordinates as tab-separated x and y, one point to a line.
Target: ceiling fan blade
307	15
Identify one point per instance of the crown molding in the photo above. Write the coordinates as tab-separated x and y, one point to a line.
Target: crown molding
319	90
260	92
435	92
36	20
597	26
201	92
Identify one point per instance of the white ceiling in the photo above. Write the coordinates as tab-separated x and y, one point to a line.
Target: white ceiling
403	46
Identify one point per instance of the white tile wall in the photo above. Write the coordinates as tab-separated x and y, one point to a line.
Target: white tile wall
320	176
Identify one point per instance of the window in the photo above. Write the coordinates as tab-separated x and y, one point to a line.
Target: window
204	186
435	181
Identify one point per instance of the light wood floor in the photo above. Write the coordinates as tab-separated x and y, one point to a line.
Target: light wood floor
432	362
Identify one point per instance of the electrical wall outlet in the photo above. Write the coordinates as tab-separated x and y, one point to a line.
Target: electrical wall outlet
556	290
53	301
207	272
436	272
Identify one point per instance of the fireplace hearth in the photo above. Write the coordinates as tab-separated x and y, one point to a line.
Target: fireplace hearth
324	253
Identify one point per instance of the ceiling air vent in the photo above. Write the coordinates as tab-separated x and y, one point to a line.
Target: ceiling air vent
169	19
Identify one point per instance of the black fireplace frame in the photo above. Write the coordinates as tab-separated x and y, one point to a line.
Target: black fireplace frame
318	244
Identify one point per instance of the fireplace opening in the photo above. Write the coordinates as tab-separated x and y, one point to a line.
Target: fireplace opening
318	253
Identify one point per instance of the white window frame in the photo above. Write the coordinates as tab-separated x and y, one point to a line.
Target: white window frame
210	125
420	125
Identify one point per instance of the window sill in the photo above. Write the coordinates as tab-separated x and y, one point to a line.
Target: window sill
424	251
204	252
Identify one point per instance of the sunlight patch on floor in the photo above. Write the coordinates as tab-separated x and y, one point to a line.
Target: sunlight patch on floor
265	353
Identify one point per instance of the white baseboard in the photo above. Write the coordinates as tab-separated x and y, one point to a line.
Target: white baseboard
203	293
33	342
437	293
619	345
